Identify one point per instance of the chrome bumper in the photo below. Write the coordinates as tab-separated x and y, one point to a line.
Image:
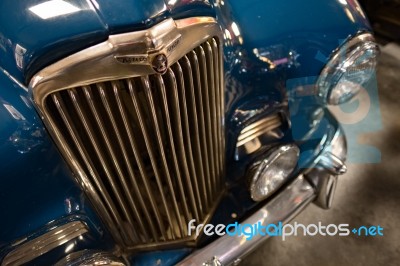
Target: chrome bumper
317	184
230	250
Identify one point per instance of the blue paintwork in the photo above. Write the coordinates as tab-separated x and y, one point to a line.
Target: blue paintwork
29	43
276	28
37	187
124	16
47	39
156	258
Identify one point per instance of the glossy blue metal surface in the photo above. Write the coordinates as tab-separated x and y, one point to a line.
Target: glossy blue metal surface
267	44
124	16
29	42
36	187
156	258
34	34
190	8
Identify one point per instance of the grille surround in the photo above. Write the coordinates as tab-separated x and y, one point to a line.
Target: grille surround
61	86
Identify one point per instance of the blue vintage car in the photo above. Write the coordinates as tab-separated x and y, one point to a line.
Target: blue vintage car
126	124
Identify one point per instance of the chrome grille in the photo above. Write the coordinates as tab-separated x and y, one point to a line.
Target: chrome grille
261	127
152	147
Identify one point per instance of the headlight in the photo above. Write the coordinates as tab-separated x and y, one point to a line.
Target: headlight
349	69
271	172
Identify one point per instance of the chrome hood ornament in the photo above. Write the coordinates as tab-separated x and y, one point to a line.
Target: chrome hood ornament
132	54
154	50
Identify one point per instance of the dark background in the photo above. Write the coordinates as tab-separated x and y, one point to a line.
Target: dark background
385	18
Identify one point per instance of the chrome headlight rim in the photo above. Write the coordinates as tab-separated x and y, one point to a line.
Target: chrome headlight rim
265	163
340	62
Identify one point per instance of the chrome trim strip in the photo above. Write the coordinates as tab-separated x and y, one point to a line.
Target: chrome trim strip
258	128
90	257
45	243
284	207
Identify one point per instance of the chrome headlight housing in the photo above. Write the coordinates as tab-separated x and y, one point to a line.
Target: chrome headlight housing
350	68
272	170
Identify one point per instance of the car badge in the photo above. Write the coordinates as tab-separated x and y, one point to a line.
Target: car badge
160	64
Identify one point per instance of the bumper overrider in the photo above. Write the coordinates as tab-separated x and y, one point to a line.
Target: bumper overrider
316	184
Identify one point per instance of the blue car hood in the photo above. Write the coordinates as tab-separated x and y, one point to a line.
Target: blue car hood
36	33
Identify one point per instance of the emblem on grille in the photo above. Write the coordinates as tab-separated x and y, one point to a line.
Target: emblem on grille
160	63
131	60
152	51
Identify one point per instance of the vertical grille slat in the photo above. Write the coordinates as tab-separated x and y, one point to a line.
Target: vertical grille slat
139	161
60	107
186	136
161	86
132	176
149	95
211	55
127	165
181	147
195	133
109	150
205	76
212	98
199	103
218	106
150	147
150	150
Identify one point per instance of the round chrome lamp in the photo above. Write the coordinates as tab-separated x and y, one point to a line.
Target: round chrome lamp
350	68
272	171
